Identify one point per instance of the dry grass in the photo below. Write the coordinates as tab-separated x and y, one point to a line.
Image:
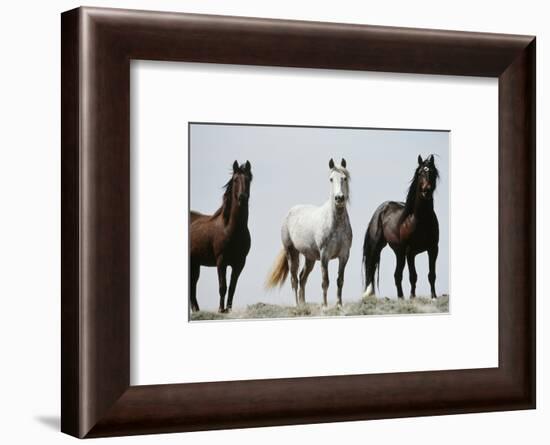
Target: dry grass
365	306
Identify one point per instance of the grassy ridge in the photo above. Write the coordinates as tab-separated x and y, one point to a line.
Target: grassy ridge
366	306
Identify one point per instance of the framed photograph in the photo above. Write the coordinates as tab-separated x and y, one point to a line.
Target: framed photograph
269	222
302	235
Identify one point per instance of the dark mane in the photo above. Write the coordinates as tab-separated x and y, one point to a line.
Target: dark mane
411	194
227	199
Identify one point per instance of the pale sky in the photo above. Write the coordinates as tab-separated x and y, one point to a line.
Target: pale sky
290	167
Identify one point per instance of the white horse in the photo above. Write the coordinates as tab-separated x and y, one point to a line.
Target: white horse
318	233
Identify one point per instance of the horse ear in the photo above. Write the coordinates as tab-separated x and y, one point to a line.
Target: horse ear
343	163
420	161
247	166
235	167
431	160
331	163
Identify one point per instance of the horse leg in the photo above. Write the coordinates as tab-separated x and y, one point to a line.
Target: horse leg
304	274
342	261
412	273
294	260
235	272
222	269
324	270
432	256
398	275
195	273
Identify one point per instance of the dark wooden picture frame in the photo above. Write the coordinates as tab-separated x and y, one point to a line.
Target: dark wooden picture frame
97	46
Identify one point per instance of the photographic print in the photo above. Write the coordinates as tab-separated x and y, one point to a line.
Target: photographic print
299	221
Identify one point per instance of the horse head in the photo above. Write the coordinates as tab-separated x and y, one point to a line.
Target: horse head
426	177
240	182
339	183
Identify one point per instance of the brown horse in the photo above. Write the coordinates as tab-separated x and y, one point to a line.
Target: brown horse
409	227
222	239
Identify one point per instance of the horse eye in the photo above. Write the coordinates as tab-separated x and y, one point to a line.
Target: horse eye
330	179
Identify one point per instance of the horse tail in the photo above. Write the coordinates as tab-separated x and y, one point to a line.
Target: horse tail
372	246
279	271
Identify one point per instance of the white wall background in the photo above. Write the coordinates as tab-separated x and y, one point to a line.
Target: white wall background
30	238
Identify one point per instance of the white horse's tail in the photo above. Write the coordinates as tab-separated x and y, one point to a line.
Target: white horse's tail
279	271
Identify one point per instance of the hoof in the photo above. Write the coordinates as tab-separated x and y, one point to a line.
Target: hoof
221	310
369	292
413	296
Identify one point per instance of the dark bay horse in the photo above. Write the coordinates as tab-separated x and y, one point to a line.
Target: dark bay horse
222	239
409	227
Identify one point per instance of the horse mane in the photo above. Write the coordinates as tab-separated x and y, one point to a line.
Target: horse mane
227	200
342	170
411	193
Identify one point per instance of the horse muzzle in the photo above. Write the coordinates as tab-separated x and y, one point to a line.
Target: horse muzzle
340	200
426	194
